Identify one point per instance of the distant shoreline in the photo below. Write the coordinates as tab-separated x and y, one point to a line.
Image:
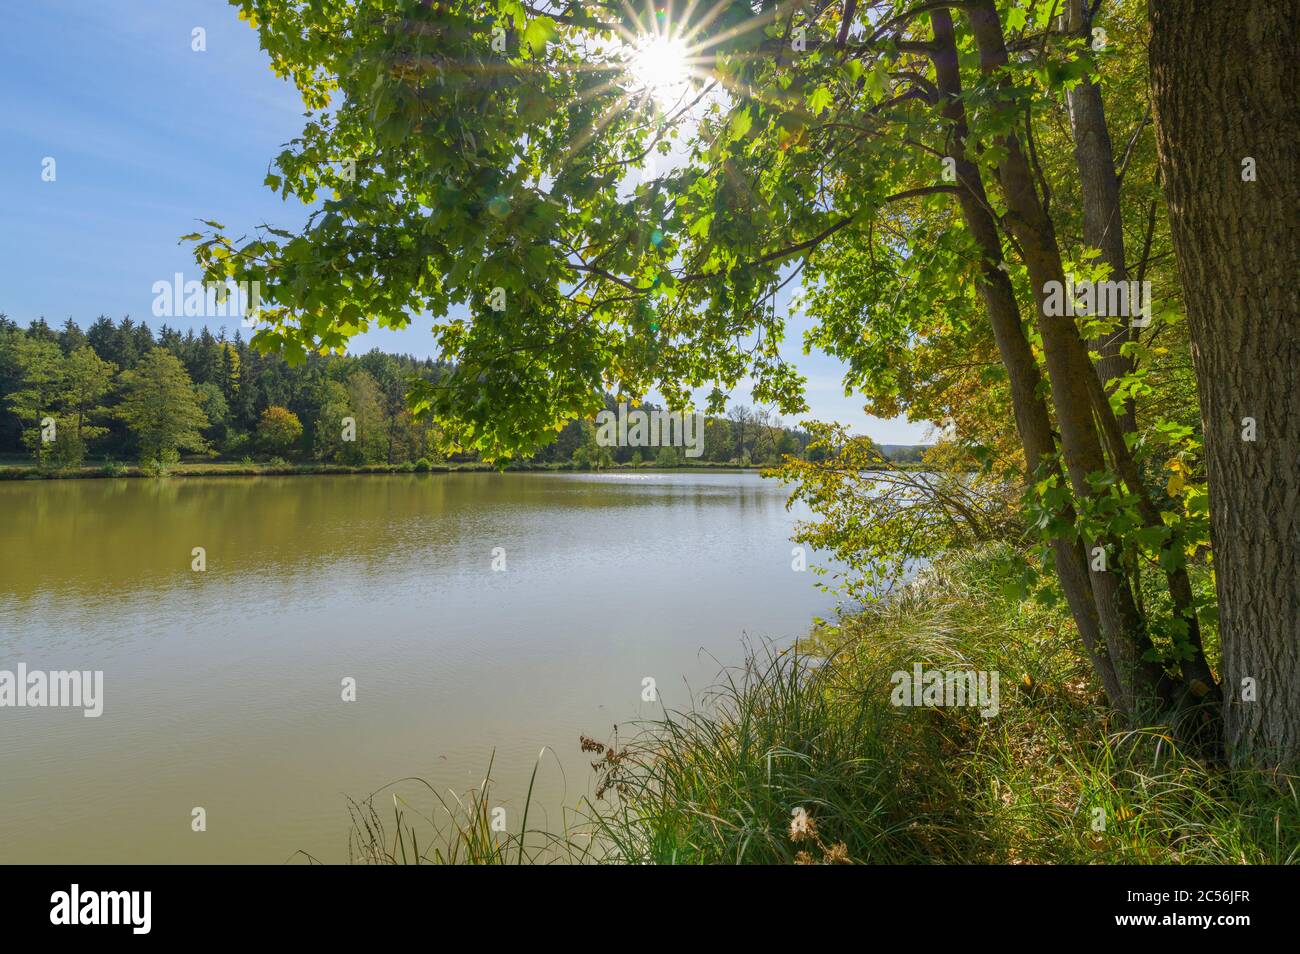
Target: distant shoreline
238	469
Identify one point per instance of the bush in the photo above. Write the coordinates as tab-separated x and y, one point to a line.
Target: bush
68	452
237	444
423	466
161	464
668	457
278	430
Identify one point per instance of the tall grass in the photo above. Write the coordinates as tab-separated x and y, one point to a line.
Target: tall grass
455	830
1048	780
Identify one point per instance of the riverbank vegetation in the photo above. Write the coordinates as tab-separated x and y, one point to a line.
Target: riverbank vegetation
15	468
800	755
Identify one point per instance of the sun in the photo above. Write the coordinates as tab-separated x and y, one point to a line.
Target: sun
660	66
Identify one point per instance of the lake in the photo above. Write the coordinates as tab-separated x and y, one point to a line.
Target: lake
223	689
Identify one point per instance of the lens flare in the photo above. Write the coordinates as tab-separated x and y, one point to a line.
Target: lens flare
659	66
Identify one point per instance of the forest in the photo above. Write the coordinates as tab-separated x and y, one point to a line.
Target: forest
118	394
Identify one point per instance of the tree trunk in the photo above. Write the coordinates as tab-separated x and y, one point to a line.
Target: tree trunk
1103	227
1032	420
1224	83
1069	369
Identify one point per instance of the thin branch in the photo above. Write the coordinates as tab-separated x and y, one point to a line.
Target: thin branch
1132	141
850	8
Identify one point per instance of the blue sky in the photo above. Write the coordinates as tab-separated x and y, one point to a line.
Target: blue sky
149	137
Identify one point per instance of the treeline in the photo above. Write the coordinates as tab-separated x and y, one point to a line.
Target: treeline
119	392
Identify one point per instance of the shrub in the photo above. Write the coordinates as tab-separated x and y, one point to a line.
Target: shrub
278	430
161	463
668	457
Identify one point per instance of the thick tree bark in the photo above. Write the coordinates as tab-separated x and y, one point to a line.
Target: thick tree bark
1103	227
1032	420
1069	369
1224	84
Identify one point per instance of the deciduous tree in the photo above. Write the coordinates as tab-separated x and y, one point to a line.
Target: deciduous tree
160	407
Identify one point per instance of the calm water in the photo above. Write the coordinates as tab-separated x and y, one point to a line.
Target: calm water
222	689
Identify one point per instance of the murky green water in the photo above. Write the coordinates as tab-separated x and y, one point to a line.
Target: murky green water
222	689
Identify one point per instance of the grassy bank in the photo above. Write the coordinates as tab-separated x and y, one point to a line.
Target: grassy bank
1048	780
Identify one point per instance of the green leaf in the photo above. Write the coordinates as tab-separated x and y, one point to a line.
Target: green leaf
878	81
819	100
538	33
741	122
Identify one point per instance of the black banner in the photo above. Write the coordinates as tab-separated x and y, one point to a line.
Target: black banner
318	903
